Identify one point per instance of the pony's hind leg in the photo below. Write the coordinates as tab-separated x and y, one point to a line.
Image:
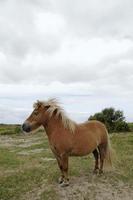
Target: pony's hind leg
102	152
96	156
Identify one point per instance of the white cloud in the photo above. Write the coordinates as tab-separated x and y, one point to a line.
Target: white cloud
98	17
66	48
86	59
53	23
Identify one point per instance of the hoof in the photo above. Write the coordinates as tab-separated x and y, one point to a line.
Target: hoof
60	180
95	171
100	172
65	183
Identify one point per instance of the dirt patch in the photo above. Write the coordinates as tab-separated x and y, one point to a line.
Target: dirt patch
29	152
27	144
94	189
7	141
48	159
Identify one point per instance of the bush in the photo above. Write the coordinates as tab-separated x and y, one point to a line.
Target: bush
17	130
121	126
113	119
130	126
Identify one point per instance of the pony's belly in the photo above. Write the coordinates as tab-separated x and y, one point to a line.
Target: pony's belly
80	152
83	149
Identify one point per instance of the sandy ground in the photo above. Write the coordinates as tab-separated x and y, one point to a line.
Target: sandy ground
83	189
97	188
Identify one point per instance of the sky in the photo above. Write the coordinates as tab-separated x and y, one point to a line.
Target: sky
80	52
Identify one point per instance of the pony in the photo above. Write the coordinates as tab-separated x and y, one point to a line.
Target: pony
68	138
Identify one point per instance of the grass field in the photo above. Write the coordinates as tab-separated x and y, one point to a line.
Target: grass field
28	170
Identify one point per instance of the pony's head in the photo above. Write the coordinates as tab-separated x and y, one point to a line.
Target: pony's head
42	114
37	117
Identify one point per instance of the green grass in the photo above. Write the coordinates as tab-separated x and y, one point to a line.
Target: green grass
22	175
8	159
13	186
123	145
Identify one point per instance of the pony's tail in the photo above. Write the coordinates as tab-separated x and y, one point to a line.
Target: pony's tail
108	153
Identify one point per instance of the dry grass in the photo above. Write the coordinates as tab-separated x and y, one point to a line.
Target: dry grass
28	170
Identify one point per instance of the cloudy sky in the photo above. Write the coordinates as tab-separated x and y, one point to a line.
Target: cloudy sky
80	52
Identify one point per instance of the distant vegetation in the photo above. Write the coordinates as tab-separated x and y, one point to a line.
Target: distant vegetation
9	129
113	119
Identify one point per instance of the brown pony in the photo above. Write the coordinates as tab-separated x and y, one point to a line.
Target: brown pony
67	138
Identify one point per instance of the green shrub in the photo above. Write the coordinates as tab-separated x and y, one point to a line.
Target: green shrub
121	126
130	125
17	130
113	119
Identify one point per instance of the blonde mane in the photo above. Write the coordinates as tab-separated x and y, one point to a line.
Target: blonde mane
55	108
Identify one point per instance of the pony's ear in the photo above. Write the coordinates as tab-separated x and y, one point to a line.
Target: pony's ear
55	111
39	103
47	107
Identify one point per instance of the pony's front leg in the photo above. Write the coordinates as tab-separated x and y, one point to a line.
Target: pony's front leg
63	165
61	179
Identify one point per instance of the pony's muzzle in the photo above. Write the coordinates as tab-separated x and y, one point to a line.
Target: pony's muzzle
26	127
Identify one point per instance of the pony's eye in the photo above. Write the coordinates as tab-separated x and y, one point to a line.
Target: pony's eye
35	113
